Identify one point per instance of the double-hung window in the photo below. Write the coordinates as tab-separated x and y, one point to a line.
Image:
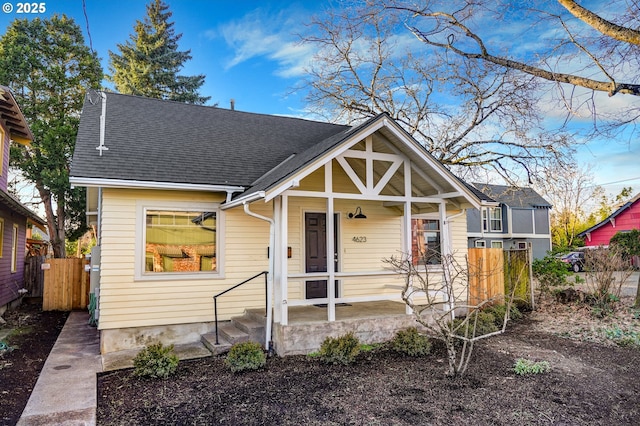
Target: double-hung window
425	241
492	219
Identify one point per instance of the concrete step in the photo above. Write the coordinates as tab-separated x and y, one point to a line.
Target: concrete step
229	332
253	328
209	341
256	315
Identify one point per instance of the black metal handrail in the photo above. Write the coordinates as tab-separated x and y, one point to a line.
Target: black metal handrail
215	298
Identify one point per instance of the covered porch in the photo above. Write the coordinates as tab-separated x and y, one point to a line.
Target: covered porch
337	215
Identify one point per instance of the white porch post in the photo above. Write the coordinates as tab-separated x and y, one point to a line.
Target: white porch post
445	241
331	284
407	223
445	250
283	265
277	266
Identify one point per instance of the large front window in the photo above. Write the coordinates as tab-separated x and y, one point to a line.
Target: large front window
425	238
180	241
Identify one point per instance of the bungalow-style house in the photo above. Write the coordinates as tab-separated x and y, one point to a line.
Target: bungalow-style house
15	218
510	218
190	201
624	219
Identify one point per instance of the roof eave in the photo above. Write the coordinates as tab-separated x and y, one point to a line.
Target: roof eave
137	184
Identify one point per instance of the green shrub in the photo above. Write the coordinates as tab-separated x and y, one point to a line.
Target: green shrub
412	343
245	356
340	350
498	312
524	367
550	272
155	361
486	323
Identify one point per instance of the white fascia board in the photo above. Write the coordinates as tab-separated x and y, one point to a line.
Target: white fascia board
135	184
242	200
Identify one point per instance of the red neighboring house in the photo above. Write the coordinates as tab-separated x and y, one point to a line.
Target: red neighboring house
625	219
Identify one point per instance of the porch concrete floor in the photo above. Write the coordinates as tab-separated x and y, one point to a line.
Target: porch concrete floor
315	314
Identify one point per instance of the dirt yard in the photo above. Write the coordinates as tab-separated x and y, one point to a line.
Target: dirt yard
592	381
33	334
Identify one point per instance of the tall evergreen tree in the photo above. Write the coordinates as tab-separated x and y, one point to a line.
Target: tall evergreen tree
149	62
48	67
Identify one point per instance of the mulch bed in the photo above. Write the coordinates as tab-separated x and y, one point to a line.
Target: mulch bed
34	334
589	383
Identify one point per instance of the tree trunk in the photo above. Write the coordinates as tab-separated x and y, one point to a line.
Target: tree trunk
56	232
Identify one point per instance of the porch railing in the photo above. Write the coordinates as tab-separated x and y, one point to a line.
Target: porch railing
215	298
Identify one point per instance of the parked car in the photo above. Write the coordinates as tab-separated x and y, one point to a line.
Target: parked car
574	260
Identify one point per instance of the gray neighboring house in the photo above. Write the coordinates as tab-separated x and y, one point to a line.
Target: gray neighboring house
510	218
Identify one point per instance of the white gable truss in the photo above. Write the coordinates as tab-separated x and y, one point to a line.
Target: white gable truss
382	163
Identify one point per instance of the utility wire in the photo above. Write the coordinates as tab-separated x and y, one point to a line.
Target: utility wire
86	18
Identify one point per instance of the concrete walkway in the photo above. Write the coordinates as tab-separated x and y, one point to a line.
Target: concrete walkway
66	391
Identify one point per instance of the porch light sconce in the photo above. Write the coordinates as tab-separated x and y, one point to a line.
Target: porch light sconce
357	214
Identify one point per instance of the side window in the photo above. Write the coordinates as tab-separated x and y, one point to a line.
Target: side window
425	242
481	244
178	241
496	244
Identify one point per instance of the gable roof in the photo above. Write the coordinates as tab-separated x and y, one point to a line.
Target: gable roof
151	143
206	145
513	196
626	206
15	205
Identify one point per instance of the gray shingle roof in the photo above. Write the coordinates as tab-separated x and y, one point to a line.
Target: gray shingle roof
513	196
161	141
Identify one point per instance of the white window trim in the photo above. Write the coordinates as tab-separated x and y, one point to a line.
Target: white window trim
481	244
15	236
141	212
432	216
485	218
501	243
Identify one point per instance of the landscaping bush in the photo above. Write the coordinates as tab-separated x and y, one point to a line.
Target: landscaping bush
485	324
155	361
340	350
498	312
525	367
245	356
412	343
551	273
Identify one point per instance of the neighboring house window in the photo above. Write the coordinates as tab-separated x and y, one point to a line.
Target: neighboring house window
180	241
425	238
492	219
481	244
14	249
496	244
522	246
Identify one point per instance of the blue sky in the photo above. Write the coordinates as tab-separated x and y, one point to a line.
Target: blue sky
248	51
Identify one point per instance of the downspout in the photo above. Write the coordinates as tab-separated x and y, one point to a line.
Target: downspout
272	239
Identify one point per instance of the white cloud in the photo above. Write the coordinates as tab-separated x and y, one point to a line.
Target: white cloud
269	35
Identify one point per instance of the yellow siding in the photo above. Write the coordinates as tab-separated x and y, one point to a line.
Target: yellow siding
126	302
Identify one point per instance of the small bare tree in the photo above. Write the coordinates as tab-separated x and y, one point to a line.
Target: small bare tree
607	270
436	296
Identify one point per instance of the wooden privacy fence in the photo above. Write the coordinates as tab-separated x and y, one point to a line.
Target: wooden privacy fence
494	272
486	274
66	285
34	275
